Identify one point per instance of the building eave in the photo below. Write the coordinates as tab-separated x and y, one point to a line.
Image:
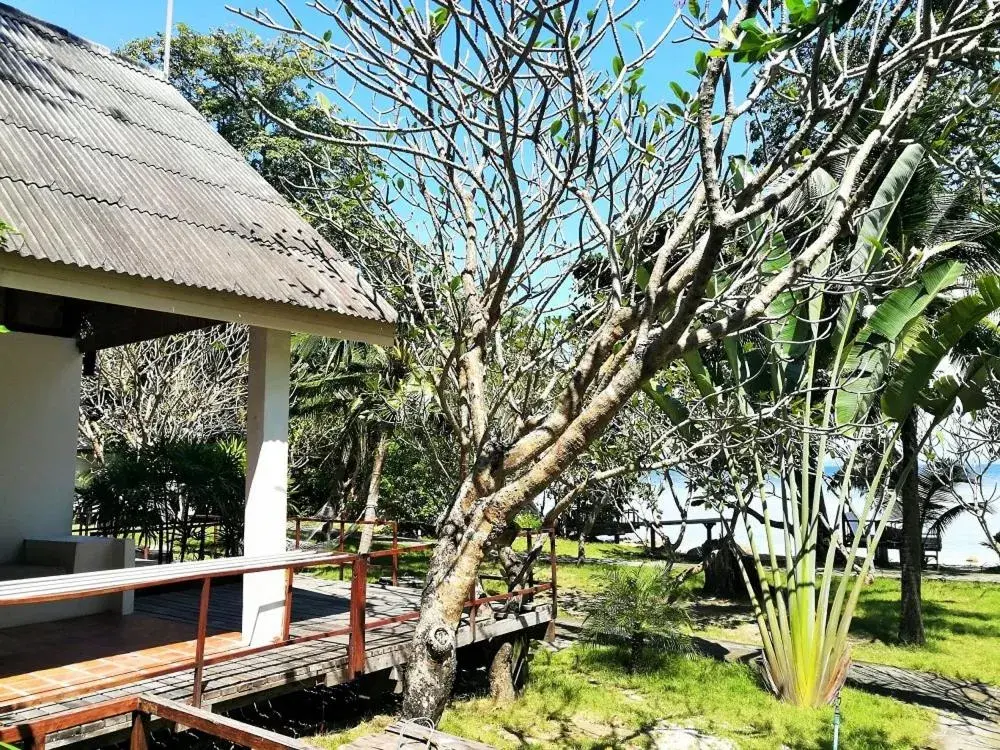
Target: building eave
60	279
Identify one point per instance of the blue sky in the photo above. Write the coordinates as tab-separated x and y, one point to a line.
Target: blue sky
114	22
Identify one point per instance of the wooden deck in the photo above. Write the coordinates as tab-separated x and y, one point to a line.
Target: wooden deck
98	653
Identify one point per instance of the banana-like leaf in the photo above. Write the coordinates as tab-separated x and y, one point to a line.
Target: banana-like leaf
871	351
869	246
921	360
940	397
672	407
887	199
903	305
702	377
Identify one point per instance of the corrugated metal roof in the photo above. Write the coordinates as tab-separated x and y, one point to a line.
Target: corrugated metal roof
104	165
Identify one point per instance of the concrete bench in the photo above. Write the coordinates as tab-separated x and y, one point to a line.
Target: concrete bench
45	557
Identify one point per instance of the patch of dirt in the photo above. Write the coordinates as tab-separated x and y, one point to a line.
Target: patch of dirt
720	613
595	729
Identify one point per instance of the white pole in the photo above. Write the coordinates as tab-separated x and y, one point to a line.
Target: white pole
266	514
168	32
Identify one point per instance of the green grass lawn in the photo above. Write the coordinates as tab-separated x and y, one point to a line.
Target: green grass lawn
581	698
961	621
594	550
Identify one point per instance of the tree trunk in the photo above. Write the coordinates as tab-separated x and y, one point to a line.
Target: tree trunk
430	673
371	504
636	643
502	674
588	526
911	623
723	577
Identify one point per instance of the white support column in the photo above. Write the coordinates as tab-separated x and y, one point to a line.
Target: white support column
267	481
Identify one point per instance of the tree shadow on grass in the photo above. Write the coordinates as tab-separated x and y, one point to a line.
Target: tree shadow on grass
720	613
879	619
620	552
615	660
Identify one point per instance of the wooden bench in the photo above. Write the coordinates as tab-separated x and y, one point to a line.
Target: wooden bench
892	538
62	554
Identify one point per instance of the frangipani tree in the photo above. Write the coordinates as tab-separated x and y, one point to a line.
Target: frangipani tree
522	138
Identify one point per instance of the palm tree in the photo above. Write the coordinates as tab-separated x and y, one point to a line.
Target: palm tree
364	388
930	227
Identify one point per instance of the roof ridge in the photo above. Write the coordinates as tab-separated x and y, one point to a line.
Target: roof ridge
69	37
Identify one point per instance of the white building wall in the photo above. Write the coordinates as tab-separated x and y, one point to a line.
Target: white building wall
39	401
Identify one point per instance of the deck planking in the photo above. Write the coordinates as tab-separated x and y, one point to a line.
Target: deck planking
318	606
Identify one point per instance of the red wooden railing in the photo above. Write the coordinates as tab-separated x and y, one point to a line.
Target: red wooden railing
356	628
342	537
143	708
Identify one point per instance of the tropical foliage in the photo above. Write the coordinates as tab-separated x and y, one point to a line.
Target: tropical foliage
638	611
156	494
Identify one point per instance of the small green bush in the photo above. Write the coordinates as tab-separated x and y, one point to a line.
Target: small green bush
636	611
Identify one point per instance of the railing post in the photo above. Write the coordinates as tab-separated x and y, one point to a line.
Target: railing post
552	561
139	737
359	590
286	623
199	653
340	547
531	565
298	532
395	553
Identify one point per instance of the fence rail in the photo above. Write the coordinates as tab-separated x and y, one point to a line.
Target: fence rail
81	585
143	708
342	537
163	538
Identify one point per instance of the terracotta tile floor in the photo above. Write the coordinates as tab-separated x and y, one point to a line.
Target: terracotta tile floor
87	651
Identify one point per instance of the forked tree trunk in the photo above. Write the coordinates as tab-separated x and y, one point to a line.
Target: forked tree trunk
911	555
371	502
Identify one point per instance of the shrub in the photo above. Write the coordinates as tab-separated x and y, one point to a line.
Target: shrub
637	610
